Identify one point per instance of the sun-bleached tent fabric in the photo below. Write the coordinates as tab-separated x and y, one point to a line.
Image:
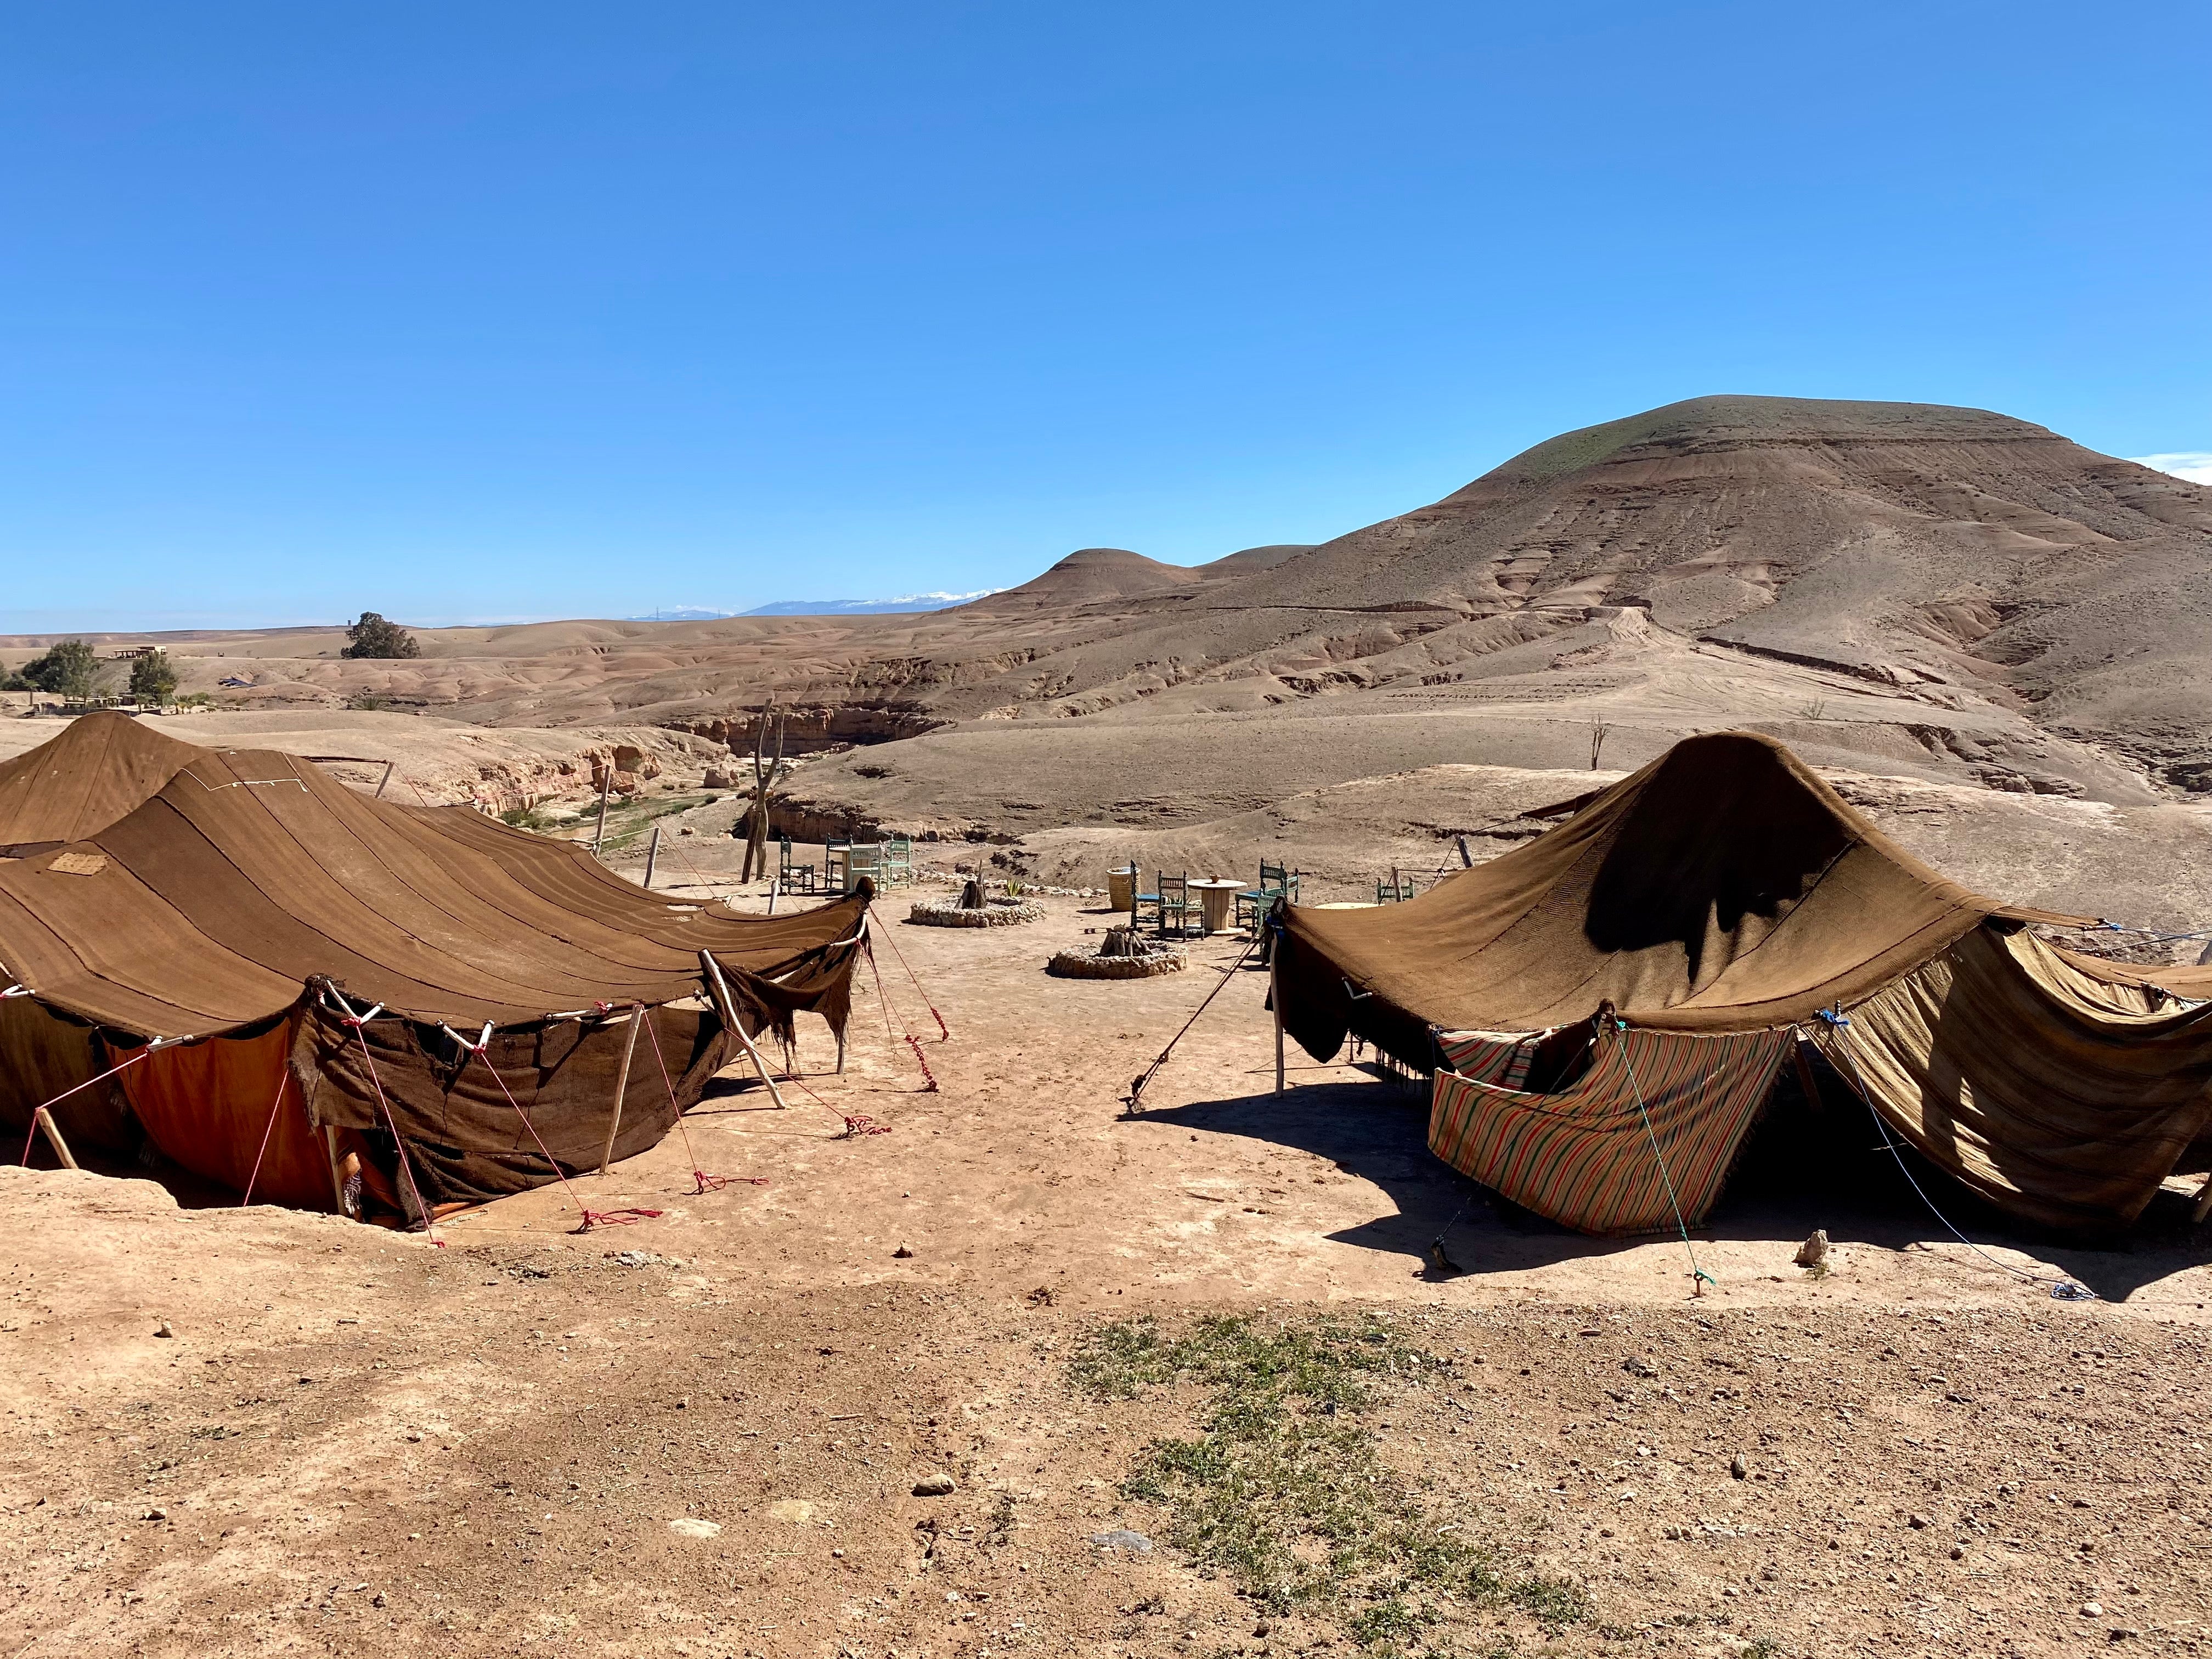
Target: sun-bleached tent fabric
1654	1109
2062	1096
1725	889
152	889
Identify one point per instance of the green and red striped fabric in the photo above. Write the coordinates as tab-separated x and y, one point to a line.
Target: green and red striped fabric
1584	1157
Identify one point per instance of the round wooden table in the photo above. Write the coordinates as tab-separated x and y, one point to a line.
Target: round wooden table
1214	896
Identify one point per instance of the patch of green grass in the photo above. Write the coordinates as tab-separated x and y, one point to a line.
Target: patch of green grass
534	818
1282	1489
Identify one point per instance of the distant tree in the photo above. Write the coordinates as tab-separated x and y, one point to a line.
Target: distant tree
68	671
152	678
12	681
373	636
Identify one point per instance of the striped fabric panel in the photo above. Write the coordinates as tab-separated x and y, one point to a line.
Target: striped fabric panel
1583	1156
1502	1058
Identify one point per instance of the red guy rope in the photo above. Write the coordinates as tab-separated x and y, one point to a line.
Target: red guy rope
593	1217
707	1183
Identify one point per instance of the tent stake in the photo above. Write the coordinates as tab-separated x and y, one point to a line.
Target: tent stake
44	1120
729	1006
622	1084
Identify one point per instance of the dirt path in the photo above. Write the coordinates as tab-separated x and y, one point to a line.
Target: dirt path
357	1442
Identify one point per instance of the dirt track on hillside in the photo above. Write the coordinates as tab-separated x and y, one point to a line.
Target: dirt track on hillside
359	1442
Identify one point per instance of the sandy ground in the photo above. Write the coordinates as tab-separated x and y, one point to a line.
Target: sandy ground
354	1441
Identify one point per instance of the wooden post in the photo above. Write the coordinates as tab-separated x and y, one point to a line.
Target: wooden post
1806	1080
841	1071
728	1005
1275	1002
44	1121
338	1180
607	782
386	779
637	1018
2203	1201
651	857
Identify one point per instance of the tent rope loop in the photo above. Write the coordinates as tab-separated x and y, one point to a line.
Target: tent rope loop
1698	1277
928	1077
943	1032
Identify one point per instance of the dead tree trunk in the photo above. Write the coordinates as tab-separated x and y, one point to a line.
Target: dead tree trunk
767	772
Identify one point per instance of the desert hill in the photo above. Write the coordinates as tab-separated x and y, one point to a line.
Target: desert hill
1904	589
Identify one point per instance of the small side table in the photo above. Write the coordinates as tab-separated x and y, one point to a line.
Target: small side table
1214	898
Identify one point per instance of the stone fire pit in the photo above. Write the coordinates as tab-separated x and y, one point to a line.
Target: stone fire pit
1124	953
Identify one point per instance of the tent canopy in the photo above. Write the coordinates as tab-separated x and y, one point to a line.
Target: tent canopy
1713	901
160	889
1724	887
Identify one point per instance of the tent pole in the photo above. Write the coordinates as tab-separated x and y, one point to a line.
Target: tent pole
338	1180
44	1120
607	782
622	1084
2203	1201
651	857
1275	1002
729	1008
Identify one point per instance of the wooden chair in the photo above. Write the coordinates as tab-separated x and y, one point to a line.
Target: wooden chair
1140	901
1178	909
794	876
864	858
1396	891
1276	882
836	866
898	861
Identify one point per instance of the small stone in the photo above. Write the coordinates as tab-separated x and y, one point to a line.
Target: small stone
1918	1522
164	1329
903	1252
2093	1610
156	1514
689	1528
1958	1553
684	1402
1120	1538
377	1600
933	1486
1738	1468
1814	1250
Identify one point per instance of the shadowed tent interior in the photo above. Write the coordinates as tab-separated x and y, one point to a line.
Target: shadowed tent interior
206	920
1648	949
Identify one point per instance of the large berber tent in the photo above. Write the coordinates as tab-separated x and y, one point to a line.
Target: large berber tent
280	982
1606	1009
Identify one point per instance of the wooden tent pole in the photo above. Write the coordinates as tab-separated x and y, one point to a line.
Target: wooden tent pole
729	1008
46	1126
1275	1002
651	857
622	1084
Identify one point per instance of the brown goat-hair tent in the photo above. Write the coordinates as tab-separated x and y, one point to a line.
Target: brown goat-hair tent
1723	893
218	918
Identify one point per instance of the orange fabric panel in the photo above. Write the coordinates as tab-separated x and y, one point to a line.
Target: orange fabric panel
207	1105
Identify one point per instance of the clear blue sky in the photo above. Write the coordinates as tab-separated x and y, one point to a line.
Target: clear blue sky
470	310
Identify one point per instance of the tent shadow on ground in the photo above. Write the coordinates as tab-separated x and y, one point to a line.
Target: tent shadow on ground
1798	1172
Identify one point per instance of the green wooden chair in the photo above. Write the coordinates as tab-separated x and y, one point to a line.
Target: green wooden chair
1180	912
1395	890
1276	882
898	861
